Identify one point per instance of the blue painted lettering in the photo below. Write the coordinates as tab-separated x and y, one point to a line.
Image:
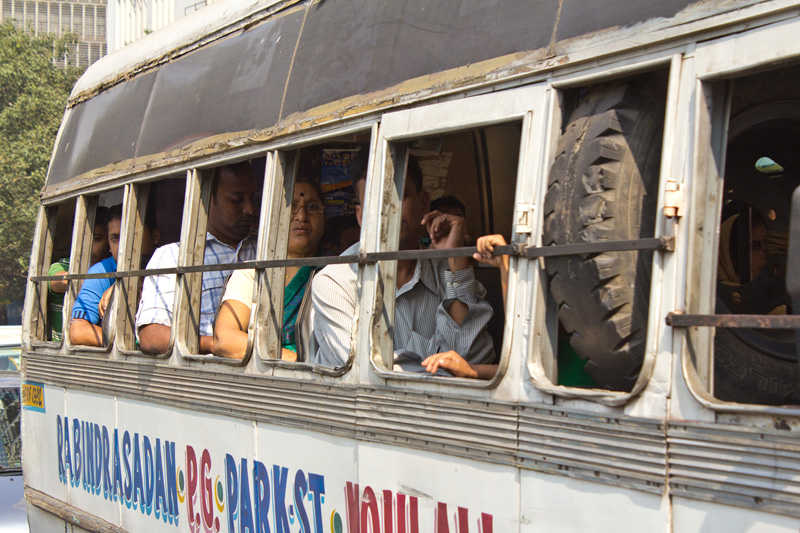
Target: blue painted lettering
280	518
261	497
231	491
149	477
126	450
138	483
316	489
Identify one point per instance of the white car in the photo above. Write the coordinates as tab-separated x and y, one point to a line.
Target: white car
13	517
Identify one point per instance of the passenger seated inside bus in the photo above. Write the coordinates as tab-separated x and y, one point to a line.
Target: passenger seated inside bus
56	289
451	361
233	211
85	326
305	232
439	306
450	205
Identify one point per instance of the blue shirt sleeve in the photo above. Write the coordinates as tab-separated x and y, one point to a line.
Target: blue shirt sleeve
92	290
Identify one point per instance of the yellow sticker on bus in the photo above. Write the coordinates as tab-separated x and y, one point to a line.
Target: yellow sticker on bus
33	396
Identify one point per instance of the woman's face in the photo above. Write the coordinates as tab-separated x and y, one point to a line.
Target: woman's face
307	222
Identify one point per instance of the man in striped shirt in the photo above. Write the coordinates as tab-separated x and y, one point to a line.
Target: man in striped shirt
232	213
440	307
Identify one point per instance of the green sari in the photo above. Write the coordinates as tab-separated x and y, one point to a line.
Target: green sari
292	298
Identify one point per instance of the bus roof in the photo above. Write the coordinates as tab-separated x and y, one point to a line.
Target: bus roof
241	72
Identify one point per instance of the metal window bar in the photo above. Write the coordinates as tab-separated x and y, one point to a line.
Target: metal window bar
517	250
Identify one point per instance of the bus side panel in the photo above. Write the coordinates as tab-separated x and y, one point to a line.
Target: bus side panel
691	516
40	521
561	503
175	466
41	450
448	493
91	420
309	474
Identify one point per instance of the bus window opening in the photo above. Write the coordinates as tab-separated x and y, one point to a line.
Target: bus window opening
230	237
762	169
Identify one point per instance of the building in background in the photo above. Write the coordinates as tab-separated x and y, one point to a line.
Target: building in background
133	19
86	18
102	26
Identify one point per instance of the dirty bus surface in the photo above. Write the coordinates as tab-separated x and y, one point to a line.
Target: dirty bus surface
636	369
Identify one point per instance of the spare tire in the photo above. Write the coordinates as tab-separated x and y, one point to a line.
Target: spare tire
603	186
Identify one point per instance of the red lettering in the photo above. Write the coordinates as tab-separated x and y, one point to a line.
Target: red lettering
486	523
387	511
369	506
191	488
207	493
442	525
352	497
413	514
463	520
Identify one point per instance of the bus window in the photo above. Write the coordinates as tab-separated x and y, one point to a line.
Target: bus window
603	186
154	222
224	203
448	312
313	200
762	169
87	324
55	261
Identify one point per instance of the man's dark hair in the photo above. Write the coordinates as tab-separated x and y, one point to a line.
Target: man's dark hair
448	201
358	164
114	213
358	168
150	219
241	167
414	173
101	216
335	226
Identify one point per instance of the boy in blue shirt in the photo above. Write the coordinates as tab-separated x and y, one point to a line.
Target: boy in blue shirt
85	326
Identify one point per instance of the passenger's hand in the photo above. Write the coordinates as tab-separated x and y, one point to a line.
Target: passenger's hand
486	246
451	362
104	301
445	231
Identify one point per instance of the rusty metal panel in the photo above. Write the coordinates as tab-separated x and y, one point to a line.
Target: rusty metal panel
579	17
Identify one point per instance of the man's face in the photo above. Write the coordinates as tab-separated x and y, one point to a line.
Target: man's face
113	237
100	249
233	208
415	205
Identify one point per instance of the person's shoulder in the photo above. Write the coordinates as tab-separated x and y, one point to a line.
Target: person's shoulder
344	270
59	266
109	264
164	254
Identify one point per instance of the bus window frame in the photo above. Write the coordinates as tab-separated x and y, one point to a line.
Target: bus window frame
542	357
82	236
45	231
713	70
281	174
124	308
385	182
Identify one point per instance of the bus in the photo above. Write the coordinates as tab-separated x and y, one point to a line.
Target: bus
639	160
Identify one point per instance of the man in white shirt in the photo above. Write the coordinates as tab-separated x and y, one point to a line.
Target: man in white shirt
439	306
232	213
